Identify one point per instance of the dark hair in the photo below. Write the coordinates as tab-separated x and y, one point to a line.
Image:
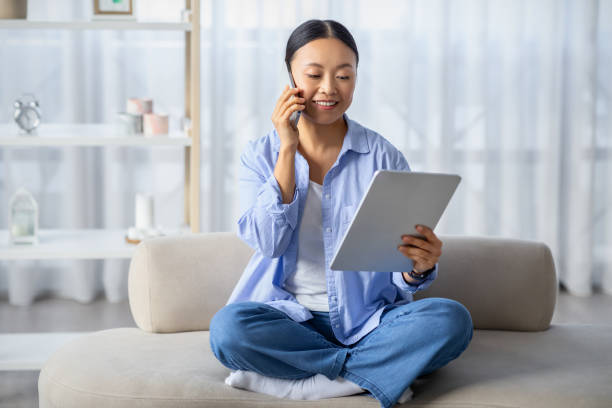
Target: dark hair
315	29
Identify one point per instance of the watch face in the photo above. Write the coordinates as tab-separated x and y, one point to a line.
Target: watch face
28	119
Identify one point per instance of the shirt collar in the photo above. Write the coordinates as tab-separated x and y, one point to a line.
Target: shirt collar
356	138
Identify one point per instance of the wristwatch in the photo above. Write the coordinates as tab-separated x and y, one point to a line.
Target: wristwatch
420	275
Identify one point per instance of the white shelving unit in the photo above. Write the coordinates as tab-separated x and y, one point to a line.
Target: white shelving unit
69	244
93	25
72	244
29	351
86	135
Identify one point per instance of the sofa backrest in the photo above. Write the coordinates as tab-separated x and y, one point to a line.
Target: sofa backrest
179	283
506	284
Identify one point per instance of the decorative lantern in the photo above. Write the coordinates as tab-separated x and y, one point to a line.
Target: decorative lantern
23	218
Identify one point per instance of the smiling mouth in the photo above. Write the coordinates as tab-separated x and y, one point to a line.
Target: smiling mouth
326	103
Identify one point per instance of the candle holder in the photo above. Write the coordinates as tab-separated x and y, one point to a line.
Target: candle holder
145	220
23	218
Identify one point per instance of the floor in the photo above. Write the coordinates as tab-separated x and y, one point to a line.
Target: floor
19	388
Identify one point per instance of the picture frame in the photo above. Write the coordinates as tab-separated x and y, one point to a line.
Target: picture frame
114	9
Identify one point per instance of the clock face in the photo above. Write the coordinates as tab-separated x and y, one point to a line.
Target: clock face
28	119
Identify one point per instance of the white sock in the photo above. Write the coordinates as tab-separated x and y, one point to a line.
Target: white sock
311	388
406	396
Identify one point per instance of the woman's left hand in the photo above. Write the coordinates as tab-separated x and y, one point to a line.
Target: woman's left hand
423	252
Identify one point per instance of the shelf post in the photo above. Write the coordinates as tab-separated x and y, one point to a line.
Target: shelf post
192	111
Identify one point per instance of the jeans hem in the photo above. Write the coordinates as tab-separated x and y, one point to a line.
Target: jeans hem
385	402
338	364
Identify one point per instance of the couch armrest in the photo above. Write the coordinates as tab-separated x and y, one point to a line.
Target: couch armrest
178	283
506	284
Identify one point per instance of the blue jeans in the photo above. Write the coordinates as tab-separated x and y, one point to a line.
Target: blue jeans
412	339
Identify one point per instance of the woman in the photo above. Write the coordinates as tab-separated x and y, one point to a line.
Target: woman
292	327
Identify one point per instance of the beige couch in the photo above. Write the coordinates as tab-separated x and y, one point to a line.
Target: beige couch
176	285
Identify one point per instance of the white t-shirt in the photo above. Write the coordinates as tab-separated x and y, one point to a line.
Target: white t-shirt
308	283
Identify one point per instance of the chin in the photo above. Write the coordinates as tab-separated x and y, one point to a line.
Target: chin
324	119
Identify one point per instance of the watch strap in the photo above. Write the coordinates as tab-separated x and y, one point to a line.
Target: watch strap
420	275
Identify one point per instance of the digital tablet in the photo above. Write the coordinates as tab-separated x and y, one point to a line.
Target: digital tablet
394	203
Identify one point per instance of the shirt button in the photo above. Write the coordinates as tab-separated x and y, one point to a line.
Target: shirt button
327	196
328	229
336	326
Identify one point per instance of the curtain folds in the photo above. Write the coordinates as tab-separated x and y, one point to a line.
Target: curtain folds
515	96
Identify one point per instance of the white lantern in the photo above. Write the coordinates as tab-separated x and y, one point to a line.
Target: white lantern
23	218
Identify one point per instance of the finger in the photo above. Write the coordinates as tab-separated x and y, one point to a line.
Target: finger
411	251
424	259
280	101
290	110
285	101
414	242
289	103
283	98
418	242
291	92
429	234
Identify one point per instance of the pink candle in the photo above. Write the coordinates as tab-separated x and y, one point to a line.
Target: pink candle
139	106
155	124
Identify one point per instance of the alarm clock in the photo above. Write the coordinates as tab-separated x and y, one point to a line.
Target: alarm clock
27	113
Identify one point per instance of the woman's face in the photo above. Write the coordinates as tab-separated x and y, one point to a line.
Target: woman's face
326	70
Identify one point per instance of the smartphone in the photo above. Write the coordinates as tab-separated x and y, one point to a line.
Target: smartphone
295	116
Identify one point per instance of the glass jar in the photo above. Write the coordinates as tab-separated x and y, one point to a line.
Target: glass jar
23	218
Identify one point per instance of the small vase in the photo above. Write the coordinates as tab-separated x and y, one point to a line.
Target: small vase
23	218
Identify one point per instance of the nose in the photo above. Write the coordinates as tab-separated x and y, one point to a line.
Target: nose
328	85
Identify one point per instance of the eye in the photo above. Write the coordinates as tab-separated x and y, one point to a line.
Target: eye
344	78
312	76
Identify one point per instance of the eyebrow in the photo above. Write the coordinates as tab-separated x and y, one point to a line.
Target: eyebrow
314	64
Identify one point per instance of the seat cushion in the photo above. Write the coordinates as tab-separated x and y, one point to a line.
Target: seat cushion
565	366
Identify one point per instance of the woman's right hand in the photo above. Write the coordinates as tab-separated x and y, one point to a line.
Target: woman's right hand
287	103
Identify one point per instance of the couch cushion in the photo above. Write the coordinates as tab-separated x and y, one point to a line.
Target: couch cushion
565	366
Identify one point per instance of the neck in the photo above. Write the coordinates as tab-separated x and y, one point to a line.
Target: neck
319	138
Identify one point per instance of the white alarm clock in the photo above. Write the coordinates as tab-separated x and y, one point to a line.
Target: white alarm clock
27	113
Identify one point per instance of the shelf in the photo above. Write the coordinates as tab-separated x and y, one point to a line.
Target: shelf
30	351
94	25
70	244
85	135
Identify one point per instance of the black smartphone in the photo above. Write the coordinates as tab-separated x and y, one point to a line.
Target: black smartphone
295	116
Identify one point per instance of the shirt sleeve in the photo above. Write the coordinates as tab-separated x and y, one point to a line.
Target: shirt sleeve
401	164
266	223
401	283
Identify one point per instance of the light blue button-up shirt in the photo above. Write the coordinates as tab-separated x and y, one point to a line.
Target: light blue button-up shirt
271	227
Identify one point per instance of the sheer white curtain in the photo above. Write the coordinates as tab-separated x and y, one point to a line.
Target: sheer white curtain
512	95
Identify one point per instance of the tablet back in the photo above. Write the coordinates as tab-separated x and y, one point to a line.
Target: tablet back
394	203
